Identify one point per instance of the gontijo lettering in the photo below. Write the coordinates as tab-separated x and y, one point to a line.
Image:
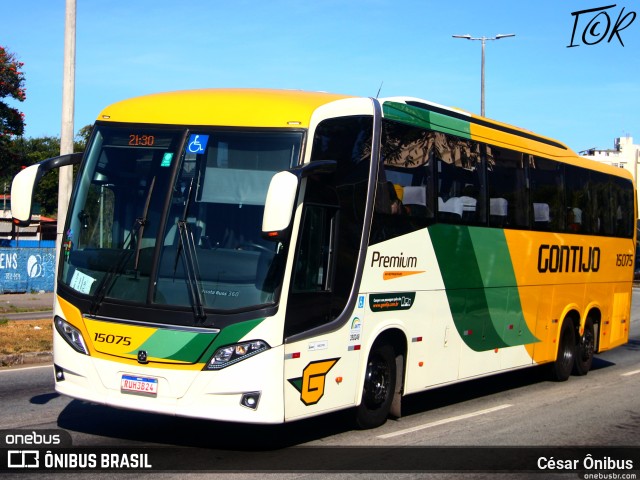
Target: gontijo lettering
568	259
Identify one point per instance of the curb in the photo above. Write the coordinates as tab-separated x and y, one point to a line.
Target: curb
30	358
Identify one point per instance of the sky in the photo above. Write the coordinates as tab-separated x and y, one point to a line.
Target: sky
572	77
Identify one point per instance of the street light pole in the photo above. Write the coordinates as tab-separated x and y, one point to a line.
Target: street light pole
483	40
65	179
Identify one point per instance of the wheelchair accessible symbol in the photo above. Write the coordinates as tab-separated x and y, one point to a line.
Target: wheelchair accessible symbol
197	143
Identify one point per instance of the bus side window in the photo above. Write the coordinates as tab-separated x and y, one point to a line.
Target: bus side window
508	193
313	266
547	195
460	180
624	198
576	182
404	193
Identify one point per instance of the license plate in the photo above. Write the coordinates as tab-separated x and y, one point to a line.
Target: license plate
139	385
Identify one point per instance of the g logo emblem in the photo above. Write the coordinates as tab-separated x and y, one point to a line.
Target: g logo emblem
311	384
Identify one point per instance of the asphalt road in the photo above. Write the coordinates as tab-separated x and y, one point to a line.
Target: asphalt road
515	409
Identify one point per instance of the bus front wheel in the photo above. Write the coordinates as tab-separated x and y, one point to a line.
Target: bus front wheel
378	390
565	360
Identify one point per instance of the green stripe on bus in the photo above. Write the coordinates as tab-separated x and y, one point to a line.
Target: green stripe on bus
232	334
422	118
193	350
191	347
175	345
499	280
481	286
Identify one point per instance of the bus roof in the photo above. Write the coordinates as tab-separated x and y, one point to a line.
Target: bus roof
294	108
232	107
467	125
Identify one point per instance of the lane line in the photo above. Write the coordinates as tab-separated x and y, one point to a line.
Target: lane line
629	373
22	369
444	421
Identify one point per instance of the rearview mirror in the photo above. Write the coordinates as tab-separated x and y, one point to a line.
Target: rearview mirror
279	204
25	181
282	193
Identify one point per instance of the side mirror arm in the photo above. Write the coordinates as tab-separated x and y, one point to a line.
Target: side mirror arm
24	183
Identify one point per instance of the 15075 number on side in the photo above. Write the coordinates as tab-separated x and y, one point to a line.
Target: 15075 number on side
109	338
624	260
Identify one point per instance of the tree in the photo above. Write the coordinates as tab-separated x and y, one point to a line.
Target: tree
29	151
11	120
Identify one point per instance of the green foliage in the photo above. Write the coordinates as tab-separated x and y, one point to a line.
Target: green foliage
17	152
11	120
29	151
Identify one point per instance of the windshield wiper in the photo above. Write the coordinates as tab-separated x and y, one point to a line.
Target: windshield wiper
141	223
107	280
137	230
187	247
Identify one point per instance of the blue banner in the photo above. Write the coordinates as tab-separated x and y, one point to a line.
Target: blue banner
27	269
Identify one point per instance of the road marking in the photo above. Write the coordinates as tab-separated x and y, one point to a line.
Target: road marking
444	421
628	374
22	369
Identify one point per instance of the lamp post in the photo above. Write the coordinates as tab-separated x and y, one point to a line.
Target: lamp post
484	40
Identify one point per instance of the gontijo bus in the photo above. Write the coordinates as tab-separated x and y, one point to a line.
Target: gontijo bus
264	256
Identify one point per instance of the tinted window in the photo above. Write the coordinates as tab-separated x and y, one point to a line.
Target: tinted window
405	189
547	195
329	239
507	185
460	179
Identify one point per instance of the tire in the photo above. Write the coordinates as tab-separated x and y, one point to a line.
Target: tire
378	390
565	360
584	349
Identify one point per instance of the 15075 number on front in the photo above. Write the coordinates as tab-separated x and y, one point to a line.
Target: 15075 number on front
114	339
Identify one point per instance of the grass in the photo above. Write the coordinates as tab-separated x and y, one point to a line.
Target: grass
25	336
10	308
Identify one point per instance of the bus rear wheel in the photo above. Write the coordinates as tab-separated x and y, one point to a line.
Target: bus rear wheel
585	349
378	390
565	360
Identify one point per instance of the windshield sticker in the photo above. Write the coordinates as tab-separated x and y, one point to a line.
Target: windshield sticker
166	159
81	282
67	243
197	143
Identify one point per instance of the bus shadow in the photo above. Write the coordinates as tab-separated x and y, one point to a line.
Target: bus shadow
632	344
600	363
160	430
163	430
482	387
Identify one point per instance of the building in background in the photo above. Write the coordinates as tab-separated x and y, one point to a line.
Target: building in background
40	233
623	155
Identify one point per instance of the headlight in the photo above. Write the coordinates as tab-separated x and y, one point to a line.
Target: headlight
225	356
71	334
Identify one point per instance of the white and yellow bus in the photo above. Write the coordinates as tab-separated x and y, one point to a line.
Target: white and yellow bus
264	256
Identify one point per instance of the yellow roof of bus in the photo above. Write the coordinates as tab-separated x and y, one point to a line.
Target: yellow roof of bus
285	108
232	107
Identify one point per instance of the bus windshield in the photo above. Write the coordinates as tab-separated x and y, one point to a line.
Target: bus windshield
173	217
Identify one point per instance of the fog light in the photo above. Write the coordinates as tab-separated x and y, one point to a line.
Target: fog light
250	400
59	373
